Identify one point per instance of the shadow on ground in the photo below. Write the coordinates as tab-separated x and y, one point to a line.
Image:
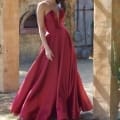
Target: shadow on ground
5	100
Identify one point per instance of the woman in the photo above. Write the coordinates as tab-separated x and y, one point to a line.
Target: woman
52	87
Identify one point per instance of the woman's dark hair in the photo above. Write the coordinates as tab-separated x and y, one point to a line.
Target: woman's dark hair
62	3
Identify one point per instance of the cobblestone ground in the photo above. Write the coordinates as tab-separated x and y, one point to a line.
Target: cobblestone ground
85	69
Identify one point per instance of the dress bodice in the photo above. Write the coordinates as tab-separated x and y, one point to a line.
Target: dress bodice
52	22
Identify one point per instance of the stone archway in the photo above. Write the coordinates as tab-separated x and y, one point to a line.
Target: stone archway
28	23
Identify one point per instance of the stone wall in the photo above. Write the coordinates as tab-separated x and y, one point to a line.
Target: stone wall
29	48
29	43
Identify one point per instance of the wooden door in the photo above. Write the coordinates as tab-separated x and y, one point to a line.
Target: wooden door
84	28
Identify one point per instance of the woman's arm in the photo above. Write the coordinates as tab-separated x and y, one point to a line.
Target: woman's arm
41	26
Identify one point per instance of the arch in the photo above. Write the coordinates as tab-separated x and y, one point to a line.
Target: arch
28	23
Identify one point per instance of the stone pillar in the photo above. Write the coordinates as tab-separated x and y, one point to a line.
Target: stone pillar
1	44
9	40
104	82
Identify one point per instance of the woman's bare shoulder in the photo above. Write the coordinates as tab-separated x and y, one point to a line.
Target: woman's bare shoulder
42	5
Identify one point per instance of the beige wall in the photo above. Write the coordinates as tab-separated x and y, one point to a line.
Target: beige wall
102	58
29	43
25	4
29	48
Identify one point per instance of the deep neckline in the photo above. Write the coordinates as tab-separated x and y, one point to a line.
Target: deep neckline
52	11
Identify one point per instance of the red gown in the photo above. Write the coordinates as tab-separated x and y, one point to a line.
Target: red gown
52	88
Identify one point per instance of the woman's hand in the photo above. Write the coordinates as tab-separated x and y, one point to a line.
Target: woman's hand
49	54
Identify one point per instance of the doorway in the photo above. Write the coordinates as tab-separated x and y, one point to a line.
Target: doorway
83	38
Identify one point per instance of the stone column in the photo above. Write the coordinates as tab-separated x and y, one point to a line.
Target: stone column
1	44
9	40
104	82
115	94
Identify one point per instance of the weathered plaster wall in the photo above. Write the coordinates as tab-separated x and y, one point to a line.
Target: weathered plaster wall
102	57
29	43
